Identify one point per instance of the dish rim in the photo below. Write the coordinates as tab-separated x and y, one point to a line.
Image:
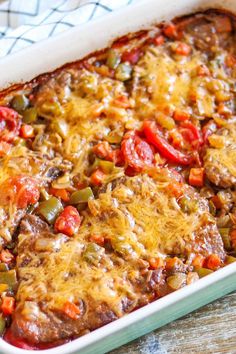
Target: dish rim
72	35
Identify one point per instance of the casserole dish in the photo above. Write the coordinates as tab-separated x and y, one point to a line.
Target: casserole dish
163	304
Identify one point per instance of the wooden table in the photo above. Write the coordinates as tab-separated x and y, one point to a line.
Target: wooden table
211	329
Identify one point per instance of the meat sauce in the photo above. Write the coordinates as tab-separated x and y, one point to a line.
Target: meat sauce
117	179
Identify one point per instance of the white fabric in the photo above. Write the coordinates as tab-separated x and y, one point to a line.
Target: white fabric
24	22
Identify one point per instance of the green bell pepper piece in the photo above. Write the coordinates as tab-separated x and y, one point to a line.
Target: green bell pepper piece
113	59
20	103
50	208
81	196
8	278
30	115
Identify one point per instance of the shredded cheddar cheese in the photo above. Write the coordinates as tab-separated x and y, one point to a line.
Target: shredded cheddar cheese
158	228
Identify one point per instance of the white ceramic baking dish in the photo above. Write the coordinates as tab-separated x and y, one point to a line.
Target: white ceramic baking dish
73	45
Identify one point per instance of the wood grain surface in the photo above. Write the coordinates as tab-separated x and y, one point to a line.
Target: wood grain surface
209	330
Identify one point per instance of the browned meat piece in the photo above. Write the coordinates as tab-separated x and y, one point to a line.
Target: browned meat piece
220	157
36	318
105	282
209	30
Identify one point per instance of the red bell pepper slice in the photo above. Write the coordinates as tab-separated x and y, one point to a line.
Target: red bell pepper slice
138	154
191	133
154	136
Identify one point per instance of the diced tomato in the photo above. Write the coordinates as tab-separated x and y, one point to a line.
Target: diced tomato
137	153
196	177
27	191
182	49
68	222
171	31
198	261
6	256
8	304
173	262
60	193
156	262
97	177
158	40
21	190
9	124
208	129
181	116
5	148
71	310
132	56
103	150
175	188
191	134
26	131
99	239
202	70
233	238
153	135
213	262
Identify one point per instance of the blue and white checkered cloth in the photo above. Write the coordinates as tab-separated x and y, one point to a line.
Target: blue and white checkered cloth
24	22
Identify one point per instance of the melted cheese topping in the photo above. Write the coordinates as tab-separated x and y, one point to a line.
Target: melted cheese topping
77	107
82	270
138	217
225	156
87	97
162	82
159	226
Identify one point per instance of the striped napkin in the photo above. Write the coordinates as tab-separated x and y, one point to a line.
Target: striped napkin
24	22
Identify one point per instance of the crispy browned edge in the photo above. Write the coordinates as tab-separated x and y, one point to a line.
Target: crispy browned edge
40	79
